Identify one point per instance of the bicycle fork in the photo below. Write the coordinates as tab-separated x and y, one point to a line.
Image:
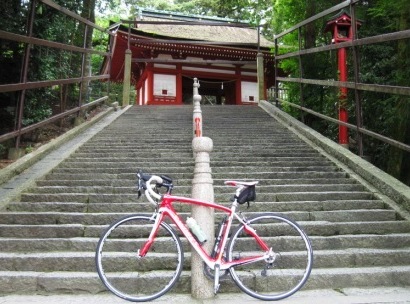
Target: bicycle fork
216	252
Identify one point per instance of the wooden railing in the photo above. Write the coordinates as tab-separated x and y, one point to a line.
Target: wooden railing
24	85
355	85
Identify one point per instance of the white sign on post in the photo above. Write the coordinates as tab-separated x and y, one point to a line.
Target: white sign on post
165	85
249	91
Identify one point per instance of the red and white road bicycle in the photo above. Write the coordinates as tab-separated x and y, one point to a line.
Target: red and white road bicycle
140	257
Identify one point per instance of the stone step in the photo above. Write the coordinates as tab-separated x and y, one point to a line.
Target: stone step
50	218
190	163
136	145
331	229
132	176
133	164
312	228
84	261
42	231
143	150
177	140
277	174
80	244
165	170
143	206
319	196
358	277
297	147
271	164
121	182
90	158
134	154
183	141
57	282
119	197
186	190
228	170
220	177
216	154
280	168
290	150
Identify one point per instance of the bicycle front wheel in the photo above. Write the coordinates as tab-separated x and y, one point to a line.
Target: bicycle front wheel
288	267
135	278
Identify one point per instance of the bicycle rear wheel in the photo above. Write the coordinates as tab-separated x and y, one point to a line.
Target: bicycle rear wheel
290	266
135	278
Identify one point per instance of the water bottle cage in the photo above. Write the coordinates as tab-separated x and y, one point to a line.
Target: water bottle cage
196	230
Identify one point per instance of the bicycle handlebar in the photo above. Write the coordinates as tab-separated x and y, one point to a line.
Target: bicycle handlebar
150	192
245	191
148	182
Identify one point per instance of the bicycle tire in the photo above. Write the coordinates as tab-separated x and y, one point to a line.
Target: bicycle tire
131	277
271	281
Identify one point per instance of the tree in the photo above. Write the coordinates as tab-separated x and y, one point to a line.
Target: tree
14	18
397	15
88	12
386	63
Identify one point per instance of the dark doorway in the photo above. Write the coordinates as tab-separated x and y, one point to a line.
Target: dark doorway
213	91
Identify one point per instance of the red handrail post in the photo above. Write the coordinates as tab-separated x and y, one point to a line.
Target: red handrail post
341	28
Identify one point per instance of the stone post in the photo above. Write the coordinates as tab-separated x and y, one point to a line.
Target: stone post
197	115
202	189
126	90
261	76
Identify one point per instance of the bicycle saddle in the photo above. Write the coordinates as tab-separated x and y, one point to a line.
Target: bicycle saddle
240	183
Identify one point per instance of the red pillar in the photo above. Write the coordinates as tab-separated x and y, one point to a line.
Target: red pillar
179	84
238	86
343	116
150	79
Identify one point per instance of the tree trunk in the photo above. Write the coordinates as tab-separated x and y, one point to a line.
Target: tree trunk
310	29
399	161
88	12
308	93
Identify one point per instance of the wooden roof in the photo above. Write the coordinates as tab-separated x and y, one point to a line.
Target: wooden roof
147	40
224	34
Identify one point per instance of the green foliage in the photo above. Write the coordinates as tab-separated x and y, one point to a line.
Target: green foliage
13	16
29	149
35	110
256	12
286	15
389	12
384	64
3	150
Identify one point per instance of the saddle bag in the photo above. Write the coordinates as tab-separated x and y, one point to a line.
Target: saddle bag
247	194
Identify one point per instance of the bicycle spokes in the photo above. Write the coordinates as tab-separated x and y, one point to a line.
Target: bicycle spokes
126	274
284	267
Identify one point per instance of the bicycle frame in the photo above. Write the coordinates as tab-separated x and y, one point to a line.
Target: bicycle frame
261	268
166	209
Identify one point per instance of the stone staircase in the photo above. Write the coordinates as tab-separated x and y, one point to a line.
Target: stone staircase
357	239
48	238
